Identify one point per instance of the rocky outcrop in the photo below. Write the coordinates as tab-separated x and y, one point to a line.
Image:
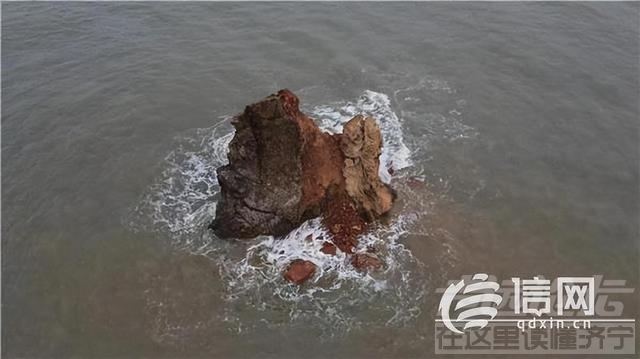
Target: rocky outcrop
280	167
284	170
361	144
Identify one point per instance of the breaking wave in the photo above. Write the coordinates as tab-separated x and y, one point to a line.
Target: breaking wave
182	202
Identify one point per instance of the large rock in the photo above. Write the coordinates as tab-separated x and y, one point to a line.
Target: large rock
280	167
284	170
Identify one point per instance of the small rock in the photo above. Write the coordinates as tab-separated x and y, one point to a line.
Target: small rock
280	166
299	271
365	262
328	248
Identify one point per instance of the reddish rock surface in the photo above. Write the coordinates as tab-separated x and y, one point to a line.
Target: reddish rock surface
416	183
299	271
328	248
343	221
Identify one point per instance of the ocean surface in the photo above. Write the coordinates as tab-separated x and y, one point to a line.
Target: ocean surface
512	130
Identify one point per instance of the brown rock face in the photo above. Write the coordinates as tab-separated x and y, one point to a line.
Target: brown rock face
299	271
280	166
343	221
361	144
284	170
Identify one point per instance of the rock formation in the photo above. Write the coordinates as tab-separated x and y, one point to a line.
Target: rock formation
280	167
361	144
284	170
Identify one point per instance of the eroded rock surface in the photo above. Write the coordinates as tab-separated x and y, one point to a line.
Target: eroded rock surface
280	166
361	144
341	218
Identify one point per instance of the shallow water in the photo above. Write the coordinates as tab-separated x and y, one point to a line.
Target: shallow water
512	130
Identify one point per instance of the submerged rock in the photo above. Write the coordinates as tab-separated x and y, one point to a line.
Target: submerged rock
284	170
366	261
328	248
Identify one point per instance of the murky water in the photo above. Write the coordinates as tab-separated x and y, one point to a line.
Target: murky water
512	130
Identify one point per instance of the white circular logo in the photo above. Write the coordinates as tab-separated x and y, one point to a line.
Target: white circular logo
476	307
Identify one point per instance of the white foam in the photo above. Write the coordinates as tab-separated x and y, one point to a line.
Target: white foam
329	297
183	198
